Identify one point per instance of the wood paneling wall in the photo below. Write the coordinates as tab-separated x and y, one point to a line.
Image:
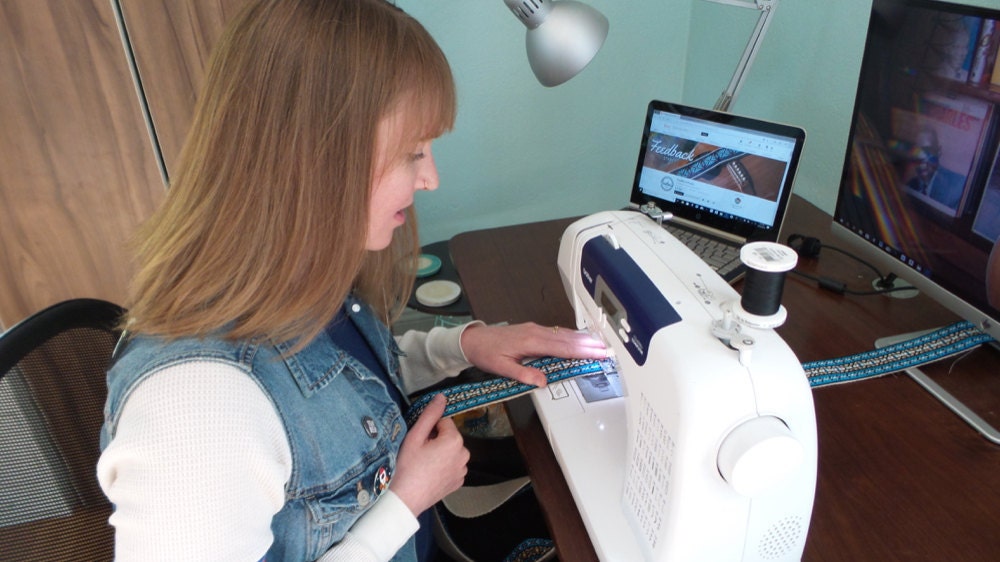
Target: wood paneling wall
174	38
78	171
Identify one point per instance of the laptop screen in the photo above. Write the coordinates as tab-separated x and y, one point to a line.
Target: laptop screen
725	171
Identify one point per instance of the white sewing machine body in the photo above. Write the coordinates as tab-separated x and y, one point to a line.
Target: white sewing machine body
711	452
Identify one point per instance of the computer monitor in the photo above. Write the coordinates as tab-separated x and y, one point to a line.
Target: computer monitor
920	189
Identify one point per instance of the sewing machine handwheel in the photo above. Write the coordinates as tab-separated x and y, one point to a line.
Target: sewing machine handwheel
758	454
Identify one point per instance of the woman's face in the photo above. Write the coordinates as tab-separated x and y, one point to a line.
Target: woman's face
400	172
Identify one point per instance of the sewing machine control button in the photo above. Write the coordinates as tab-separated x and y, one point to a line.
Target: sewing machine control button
625	325
758	454
558	391
623	335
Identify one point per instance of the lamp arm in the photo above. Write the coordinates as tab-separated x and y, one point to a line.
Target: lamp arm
767	9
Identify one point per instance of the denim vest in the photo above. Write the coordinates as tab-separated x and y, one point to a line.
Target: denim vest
343	429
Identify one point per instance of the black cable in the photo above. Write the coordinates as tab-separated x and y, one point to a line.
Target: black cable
840	287
863	262
807	246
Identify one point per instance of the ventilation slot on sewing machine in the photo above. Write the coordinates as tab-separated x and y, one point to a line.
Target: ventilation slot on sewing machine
783	537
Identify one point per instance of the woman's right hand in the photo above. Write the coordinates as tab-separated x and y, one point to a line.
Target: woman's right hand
432	460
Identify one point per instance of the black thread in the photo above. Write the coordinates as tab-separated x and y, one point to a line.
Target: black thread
762	291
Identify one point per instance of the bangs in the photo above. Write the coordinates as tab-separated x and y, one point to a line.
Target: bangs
423	117
427	86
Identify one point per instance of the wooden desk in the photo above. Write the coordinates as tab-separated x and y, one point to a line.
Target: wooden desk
900	476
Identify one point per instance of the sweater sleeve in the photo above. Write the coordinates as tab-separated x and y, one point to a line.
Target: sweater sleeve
430	357
197	470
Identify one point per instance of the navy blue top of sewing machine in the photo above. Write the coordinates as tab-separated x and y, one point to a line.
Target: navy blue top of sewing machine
632	303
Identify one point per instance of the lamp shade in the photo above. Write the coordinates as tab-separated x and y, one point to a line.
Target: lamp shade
562	37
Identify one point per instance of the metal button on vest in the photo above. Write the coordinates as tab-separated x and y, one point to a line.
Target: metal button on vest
370	428
356	307
363	496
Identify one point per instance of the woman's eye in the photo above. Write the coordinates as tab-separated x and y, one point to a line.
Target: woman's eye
417	155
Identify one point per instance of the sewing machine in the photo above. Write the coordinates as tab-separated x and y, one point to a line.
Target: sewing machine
703	445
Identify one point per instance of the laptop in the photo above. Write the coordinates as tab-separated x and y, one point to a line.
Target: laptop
715	180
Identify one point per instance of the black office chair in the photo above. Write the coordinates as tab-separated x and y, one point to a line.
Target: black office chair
52	392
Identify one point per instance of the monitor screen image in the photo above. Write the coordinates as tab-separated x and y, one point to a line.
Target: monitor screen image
724	171
685	158
920	189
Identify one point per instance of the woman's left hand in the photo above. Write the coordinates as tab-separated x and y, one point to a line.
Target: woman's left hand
500	349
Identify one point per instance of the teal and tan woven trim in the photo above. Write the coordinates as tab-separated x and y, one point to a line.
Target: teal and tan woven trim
921	350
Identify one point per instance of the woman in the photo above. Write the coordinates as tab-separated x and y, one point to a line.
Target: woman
254	409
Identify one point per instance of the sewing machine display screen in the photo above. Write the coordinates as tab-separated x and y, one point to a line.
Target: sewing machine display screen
633	307
608	303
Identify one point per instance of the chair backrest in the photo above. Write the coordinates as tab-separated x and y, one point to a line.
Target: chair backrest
52	392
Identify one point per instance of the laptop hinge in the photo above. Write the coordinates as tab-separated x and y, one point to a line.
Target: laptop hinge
697	226
689	224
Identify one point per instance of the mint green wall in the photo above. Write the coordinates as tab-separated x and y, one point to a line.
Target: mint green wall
805	74
522	152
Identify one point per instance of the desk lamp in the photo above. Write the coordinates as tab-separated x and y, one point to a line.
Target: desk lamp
767	9
562	38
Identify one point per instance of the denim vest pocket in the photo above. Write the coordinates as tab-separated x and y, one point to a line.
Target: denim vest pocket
333	513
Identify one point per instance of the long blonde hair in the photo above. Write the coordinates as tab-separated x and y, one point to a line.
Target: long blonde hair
263	230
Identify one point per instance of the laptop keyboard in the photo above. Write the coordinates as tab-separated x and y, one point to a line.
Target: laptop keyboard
721	257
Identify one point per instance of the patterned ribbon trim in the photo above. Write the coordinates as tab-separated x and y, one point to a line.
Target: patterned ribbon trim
920	350
707	162
467	396
531	550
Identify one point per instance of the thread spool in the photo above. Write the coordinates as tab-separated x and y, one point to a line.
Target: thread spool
767	263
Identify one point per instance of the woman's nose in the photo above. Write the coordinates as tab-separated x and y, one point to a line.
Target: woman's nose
430	179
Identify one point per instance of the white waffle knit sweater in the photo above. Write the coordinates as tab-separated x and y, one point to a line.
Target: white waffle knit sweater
199	462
